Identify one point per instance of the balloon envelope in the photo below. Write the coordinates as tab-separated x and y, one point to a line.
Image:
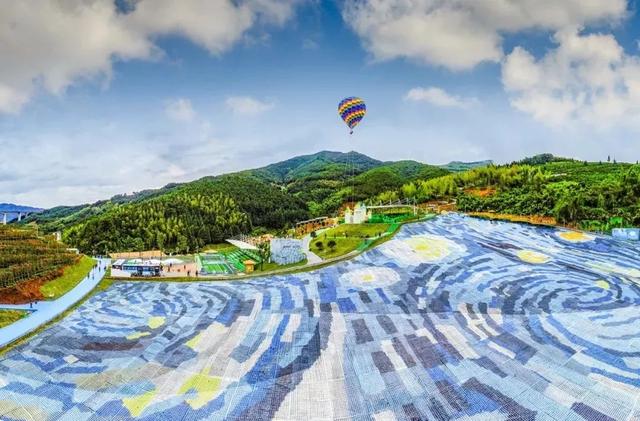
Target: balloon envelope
352	110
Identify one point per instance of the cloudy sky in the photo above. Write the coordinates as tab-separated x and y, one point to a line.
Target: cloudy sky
99	97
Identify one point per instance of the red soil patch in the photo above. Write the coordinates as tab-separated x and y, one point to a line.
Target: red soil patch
481	192
27	291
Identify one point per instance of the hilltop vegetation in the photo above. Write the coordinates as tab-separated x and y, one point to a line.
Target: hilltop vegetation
174	222
458	166
181	217
574	192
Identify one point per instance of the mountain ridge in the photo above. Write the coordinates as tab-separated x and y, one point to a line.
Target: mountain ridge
320	181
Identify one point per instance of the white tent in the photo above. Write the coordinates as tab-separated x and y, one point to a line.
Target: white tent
173	261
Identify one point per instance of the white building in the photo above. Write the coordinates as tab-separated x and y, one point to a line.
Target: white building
286	251
358	216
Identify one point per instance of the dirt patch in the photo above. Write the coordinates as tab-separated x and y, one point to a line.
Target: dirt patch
481	192
180	270
438	206
27	291
530	219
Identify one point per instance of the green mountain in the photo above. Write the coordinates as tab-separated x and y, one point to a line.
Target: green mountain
181	217
321	165
590	195
178	217
458	166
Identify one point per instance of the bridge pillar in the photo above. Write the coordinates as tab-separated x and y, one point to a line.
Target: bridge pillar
19	216
4	219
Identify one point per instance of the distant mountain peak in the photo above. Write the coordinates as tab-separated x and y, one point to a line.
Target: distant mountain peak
458	166
11	207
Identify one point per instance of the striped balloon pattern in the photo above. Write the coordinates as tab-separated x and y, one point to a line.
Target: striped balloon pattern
454	318
352	111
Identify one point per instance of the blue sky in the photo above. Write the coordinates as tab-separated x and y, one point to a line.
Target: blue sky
95	101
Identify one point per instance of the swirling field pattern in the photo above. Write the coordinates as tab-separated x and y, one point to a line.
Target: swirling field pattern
455	318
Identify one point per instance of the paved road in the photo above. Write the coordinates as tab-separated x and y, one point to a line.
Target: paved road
46	311
312	258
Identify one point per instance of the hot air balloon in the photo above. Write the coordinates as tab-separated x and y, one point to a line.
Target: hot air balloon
352	110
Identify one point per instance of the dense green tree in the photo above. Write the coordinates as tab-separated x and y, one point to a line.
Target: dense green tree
177	222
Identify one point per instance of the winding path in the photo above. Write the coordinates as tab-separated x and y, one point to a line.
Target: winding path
45	311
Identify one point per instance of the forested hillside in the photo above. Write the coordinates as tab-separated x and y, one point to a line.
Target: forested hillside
574	192
272	196
459	166
185	216
175	222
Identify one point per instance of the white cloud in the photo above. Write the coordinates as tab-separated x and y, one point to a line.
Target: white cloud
460	34
439	97
587	78
180	109
247	105
48	45
309	44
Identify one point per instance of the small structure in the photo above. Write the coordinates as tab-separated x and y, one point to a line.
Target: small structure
626	233
149	254
242	244
249	265
117	264
286	251
359	215
309	225
136	267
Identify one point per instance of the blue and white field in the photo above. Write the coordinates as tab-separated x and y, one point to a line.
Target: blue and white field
454	318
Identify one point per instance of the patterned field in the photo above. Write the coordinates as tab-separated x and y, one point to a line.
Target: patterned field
455	318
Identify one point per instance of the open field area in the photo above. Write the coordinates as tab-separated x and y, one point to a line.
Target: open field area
343	246
357	230
9	316
347	237
453	318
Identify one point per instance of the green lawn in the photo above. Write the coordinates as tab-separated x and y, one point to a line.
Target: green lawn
343	246
70	278
356	230
347	238
9	316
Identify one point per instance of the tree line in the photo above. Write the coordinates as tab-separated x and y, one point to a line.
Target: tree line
574	192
